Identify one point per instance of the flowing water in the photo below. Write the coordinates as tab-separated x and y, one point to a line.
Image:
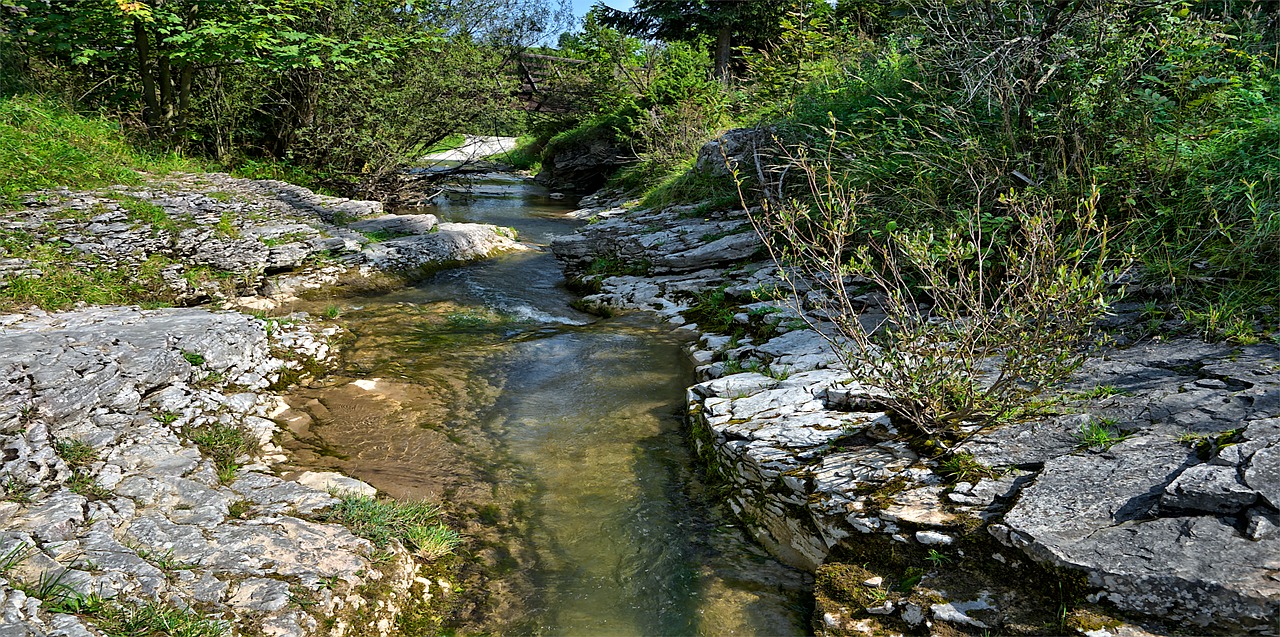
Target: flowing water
557	440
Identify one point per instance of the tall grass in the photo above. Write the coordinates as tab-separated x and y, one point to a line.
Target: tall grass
46	145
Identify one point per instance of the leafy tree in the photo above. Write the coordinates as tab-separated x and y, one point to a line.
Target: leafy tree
750	23
354	87
168	41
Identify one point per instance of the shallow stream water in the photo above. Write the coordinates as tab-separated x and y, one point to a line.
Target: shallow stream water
557	439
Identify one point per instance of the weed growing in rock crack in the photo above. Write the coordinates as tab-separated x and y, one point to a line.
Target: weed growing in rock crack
414	523
223	444
938	559
165	417
15	556
194	358
777	373
236	510
27	414
713	311
1101	434
301	597
210	380
1207	446
227	226
963	467
49	587
75	453
19	491
81	483
1103	391
166	561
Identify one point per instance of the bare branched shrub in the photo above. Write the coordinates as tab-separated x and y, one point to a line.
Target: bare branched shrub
959	325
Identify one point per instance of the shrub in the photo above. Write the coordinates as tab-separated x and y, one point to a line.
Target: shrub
978	315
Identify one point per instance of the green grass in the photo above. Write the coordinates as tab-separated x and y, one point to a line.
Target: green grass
133	619
223	444
683	185
414	523
46	145
451	142
68	277
1100	434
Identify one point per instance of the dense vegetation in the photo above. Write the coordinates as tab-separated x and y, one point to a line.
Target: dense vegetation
349	89
931	111
934	111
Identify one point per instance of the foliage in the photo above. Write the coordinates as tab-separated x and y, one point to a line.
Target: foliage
345	88
1160	107
747	23
655	102
979	315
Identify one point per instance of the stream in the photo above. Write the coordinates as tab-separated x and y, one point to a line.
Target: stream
555	437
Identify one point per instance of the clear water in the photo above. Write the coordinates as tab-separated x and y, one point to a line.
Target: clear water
558	437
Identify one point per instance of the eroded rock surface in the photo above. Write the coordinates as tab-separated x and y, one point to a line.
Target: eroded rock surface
105	492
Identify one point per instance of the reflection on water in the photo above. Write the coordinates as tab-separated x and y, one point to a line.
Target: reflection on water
556	440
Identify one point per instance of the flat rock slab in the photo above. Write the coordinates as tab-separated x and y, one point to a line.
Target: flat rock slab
1098	513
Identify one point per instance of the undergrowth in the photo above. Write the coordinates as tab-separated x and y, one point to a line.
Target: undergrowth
45	145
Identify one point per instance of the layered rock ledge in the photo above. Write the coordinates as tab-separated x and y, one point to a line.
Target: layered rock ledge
1173	528
215	237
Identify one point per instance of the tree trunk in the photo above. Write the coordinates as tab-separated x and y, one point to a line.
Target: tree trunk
142	45
184	90
724	51
166	94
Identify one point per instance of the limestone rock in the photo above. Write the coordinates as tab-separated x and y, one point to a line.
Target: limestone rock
1209	488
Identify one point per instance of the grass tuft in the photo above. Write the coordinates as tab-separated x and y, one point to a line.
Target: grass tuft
223	444
414	523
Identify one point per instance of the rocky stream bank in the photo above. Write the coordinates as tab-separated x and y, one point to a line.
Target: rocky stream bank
141	476
1173	529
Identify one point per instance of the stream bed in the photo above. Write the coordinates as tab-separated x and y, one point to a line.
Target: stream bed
556	439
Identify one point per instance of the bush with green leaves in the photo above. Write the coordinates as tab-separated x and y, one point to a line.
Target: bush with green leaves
976	316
